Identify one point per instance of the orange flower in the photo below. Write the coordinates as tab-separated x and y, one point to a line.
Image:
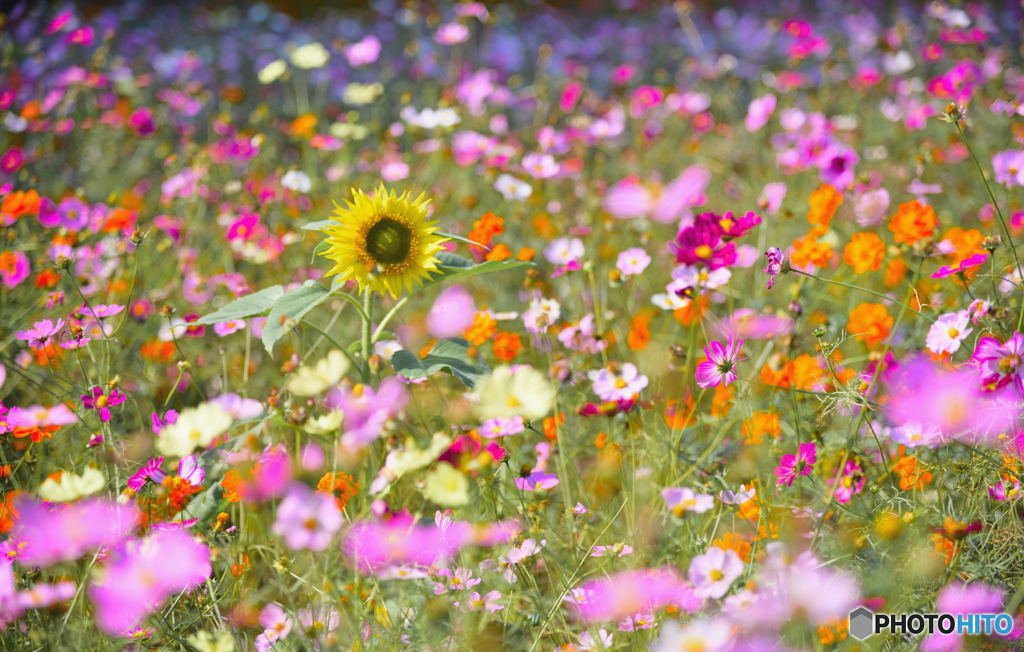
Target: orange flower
8	513
483	232
507	346
809	251
966	242
551	426
832	632
824	202
483	328
499	252
734	542
913	222
895	270
544	227
47	278
865	252
156	350
760	424
639	332
913	474
20	203
304	125
943	546
119	219
239	569
679	416
721	401
340	485
692	312
232	483
526	253
870	323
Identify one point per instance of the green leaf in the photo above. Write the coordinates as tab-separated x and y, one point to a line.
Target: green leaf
449	354
251	304
319	225
319	249
452	236
454	266
289	310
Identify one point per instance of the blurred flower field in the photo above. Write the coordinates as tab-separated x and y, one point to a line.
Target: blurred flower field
510	326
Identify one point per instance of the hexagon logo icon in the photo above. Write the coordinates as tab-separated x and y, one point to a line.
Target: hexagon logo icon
861	623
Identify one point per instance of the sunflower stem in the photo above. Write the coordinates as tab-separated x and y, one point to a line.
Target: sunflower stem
367	332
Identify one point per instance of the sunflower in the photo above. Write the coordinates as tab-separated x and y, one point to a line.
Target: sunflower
385	243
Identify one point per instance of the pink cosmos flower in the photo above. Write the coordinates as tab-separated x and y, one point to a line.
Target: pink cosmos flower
151	469
632	261
451	313
959	598
40	332
720	367
144	574
684	499
367	410
375	545
363	52
952	401
714	572
759	111
276	626
630	198
621	385
1009	167
790	466
307	519
66	532
501	427
633	591
849	482
948	331
14	268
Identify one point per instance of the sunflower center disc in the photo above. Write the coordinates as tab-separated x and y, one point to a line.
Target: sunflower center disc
388	241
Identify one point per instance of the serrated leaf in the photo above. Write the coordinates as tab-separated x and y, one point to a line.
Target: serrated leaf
247	306
449	354
289	309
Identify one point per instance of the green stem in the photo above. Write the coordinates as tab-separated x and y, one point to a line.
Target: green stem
999	212
387	318
366	341
862	289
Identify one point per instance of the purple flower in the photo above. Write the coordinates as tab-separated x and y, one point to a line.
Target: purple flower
720	367
367	410
776	259
307	519
537	480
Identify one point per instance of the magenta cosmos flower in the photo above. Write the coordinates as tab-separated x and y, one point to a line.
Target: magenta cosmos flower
720	367
144	574
1001	363
102	401
701	244
790	466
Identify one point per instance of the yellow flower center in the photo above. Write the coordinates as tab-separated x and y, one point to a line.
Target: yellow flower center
716	575
703	251
953	333
101	401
